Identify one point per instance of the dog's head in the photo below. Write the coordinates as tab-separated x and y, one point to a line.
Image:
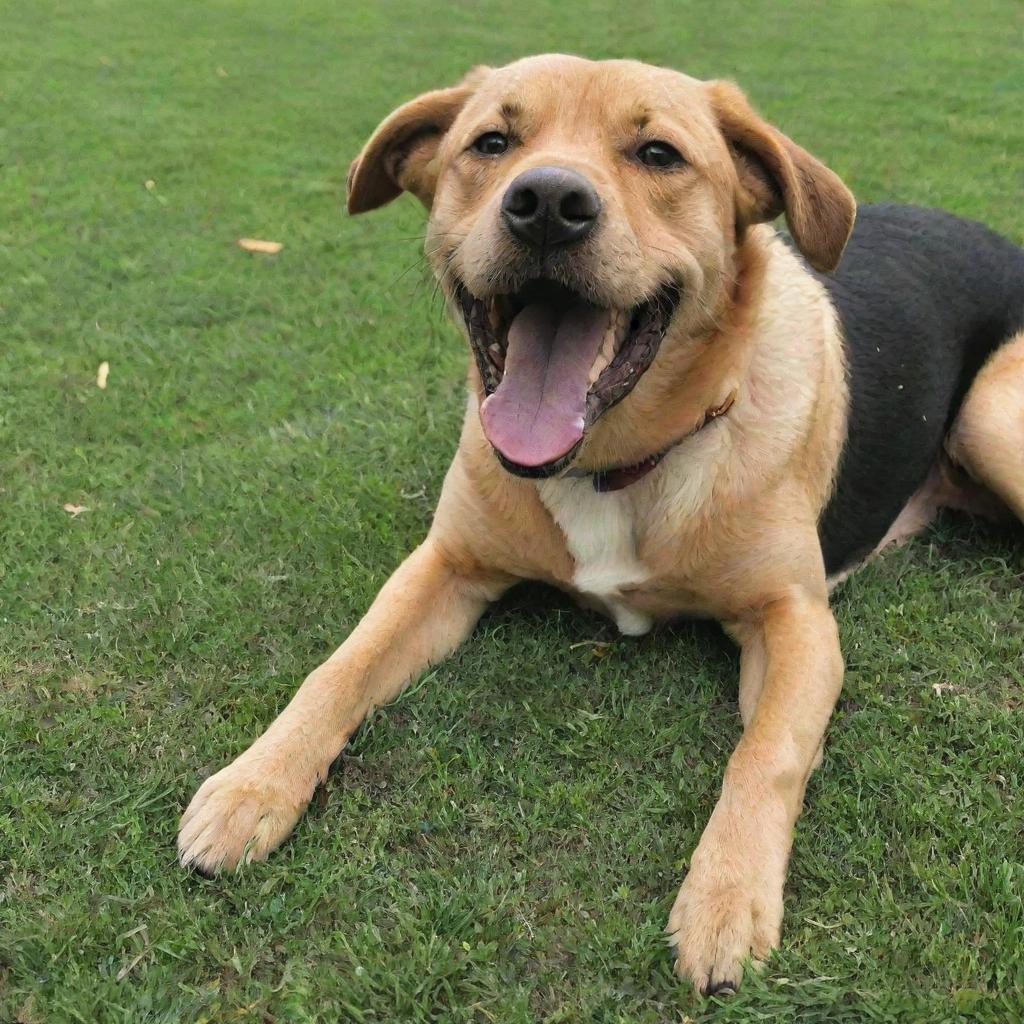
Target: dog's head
582	215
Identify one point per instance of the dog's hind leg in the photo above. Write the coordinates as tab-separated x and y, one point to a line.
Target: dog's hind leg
427	608
987	437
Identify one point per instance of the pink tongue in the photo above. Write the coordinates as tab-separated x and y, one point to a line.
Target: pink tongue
536	415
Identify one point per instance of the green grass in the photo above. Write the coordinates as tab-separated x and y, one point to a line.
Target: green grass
504	844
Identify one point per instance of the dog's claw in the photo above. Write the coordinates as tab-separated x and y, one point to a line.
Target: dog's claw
719	988
237	816
717	924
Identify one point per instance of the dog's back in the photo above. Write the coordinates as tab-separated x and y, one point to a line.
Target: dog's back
923	299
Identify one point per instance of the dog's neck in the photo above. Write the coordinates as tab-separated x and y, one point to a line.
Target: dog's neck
616	478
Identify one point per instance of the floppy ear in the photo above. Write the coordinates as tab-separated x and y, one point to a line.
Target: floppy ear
777	176
399	156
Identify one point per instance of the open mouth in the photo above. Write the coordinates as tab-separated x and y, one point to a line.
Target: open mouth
552	362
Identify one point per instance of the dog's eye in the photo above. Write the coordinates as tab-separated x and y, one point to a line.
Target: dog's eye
490	144
659	154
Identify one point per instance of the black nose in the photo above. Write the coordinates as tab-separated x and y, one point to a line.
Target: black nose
550	206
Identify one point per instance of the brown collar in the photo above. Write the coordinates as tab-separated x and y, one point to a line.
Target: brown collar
618	477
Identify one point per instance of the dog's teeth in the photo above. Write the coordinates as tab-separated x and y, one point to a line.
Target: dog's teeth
610	343
497	355
608	346
621	324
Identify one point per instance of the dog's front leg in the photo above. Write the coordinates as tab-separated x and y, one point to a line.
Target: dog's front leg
730	905
427	608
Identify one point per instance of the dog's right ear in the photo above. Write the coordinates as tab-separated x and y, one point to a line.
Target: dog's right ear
400	155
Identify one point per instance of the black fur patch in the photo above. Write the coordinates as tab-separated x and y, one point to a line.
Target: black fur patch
923	298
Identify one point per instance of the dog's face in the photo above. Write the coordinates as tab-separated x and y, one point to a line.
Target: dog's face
583	215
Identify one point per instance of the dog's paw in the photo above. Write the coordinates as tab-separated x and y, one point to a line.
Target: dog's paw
718	922
239	815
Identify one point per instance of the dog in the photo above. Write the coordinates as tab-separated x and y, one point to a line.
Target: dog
673	410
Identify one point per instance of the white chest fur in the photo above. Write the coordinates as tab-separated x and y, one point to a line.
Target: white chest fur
600	533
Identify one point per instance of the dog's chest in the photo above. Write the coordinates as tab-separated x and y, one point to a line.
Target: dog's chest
600	532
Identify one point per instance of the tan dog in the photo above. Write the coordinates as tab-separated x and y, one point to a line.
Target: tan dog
667	416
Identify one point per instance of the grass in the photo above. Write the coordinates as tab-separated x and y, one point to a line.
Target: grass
503	844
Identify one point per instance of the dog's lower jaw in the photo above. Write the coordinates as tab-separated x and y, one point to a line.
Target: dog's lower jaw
539	472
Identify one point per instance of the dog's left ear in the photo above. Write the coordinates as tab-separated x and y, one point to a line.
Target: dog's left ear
400	155
777	176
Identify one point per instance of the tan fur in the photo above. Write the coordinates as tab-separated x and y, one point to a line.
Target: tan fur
987	438
725	526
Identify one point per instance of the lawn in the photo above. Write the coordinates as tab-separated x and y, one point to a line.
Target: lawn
504	843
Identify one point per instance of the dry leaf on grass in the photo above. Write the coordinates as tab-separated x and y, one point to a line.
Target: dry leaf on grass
75	510
27	1013
102	373
259	245
940	688
129	967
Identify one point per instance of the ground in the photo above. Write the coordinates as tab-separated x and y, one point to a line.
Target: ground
504	844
